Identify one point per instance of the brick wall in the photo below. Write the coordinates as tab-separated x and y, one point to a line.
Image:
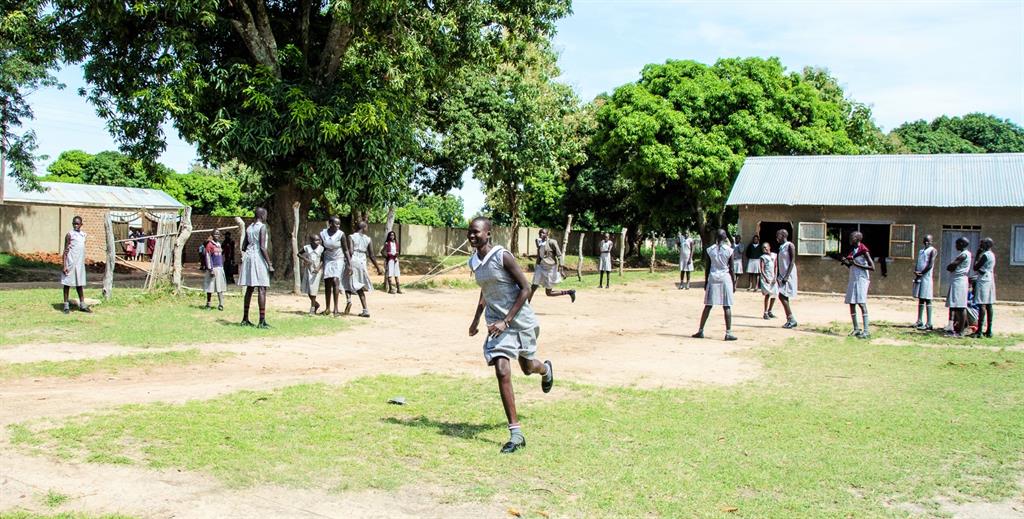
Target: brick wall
823	274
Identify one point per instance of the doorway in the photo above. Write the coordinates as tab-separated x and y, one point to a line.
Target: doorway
948	251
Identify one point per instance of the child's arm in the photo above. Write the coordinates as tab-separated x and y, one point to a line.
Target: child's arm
64	255
474	327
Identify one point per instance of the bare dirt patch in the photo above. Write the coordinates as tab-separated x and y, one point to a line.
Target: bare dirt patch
635	336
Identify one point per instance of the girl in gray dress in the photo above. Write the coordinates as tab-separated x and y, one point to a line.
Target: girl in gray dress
312	271
336	260
215	282
768	279
548	270
860	264
985	286
685	260
73	272
719	283
362	249
256	267
956	298
512	328
604	267
787	275
923	282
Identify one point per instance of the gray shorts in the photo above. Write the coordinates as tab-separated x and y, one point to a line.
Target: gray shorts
512	344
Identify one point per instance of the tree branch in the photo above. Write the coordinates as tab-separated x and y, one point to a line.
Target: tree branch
304	12
339	37
263	25
252	37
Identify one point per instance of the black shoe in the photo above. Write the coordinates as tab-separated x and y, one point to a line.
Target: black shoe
730	337
511	447
771	315
66	310
263	325
85	309
988	335
220	307
572	296
698	335
246	322
548	379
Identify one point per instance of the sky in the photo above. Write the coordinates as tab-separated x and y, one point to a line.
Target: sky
908	59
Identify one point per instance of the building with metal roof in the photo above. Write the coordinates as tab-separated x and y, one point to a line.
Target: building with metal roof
85	195
894	200
37	221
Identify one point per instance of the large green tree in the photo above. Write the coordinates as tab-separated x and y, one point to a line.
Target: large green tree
679	135
28	53
972	133
516	128
322	99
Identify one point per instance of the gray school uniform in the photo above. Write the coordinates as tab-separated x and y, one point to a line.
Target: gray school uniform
215	280
546	272
685	254
74	261
860	280
605	264
500	292
985	285
360	278
924	286
737	258
719	287
333	255
956	297
312	274
787	288
254	271
766	279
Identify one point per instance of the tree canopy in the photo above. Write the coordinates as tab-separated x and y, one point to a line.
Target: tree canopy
679	135
972	133
433	210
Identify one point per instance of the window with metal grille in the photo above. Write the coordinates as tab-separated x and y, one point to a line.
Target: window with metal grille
901	241
1017	245
810	239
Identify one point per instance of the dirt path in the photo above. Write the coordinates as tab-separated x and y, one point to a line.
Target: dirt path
628	336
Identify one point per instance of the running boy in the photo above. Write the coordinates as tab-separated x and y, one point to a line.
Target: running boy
512	327
548	270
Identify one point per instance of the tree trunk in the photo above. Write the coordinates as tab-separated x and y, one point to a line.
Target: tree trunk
654	250
296	288
179	246
108	275
389	224
280	216
579	262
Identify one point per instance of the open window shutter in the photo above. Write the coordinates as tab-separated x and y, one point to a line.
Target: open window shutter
901	241
1017	244
810	239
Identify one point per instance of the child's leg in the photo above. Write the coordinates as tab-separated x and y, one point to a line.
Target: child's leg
988	310
503	372
220	300
728	321
920	312
67	295
245	305
398	286
928	312
362	298
81	297
704	318
766	298
771	304
853	318
262	300
532	366
864	316
209	297
785	306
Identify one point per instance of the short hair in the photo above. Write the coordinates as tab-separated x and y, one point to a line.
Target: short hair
484	219
962	241
783	232
76	217
858	234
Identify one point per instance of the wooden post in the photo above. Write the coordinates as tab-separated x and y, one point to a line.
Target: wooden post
622	250
389	224
296	268
579	264
565	240
179	247
654	249
108	275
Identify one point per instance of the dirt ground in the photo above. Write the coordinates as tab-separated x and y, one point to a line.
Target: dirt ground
636	335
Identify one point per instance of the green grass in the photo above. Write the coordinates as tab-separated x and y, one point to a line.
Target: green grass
904	333
137	318
22	514
111	364
16	262
834	428
53	499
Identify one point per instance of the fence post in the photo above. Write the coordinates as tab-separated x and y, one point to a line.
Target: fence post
296	268
179	246
108	275
622	250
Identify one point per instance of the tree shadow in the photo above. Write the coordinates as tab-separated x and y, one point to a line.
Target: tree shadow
466	431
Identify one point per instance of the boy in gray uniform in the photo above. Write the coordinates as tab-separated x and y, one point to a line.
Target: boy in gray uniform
923	282
512	328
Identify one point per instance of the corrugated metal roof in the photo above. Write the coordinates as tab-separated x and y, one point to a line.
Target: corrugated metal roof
84	195
962	180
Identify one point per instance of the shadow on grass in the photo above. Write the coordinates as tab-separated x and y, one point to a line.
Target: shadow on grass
904	333
466	431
